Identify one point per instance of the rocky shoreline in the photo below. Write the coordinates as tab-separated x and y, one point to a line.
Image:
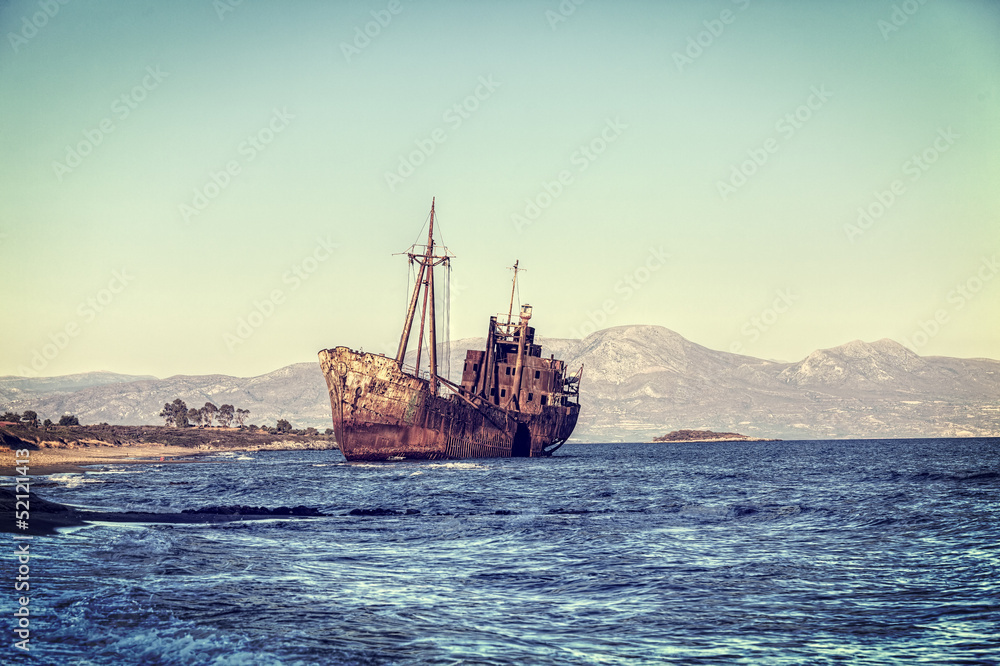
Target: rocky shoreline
46	516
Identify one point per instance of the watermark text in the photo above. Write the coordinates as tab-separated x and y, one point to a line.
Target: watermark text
121	108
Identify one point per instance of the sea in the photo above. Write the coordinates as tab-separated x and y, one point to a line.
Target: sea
792	552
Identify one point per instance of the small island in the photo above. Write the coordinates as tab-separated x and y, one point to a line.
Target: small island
708	436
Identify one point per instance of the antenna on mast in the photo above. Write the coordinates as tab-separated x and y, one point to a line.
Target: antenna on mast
513	287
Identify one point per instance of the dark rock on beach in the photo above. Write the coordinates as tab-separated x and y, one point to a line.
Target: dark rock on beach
382	512
45	516
237	510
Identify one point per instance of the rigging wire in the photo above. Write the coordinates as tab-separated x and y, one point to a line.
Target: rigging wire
444	304
421	234
422	346
446	355
411	276
444	361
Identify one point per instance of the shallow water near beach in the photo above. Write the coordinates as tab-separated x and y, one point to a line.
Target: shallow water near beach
868	552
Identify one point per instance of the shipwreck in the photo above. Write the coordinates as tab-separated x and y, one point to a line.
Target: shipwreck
512	401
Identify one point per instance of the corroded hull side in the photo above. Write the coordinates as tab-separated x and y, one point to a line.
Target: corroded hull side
382	413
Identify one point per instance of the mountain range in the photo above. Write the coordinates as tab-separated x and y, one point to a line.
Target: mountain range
638	382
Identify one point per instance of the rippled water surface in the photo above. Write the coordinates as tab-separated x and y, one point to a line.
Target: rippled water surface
772	552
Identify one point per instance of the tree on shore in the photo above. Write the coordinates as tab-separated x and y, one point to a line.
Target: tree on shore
283	426
175	413
69	420
208	413
13	417
47	423
30	417
226	413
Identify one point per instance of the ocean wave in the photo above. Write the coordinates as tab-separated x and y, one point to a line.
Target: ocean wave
74	480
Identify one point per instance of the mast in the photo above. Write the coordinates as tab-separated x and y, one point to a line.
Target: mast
515	391
513	286
429	291
425	280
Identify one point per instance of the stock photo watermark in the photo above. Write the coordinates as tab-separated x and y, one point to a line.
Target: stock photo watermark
363	35
562	12
786	127
218	181
223	7
957	298
121	108
898	17
47	10
585	155
915	167
22	551
86	312
454	116
760	323
698	43
625	288
264	308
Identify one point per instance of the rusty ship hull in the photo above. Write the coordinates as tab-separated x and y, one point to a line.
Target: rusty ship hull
511	402
382	413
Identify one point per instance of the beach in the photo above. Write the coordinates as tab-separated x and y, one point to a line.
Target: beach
70	448
59	460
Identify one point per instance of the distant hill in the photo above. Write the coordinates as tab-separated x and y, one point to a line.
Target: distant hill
637	376
296	392
638	382
14	388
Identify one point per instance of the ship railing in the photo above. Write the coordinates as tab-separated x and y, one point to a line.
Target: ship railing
426	375
415	372
507	327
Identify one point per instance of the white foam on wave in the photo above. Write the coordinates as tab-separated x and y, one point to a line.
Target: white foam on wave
459	465
117	470
184	645
73	480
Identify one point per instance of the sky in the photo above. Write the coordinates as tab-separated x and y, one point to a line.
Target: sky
199	186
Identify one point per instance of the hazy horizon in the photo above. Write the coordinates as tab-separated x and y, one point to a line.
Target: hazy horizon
219	188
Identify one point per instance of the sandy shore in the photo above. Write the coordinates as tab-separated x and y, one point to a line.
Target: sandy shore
58	460
57	449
